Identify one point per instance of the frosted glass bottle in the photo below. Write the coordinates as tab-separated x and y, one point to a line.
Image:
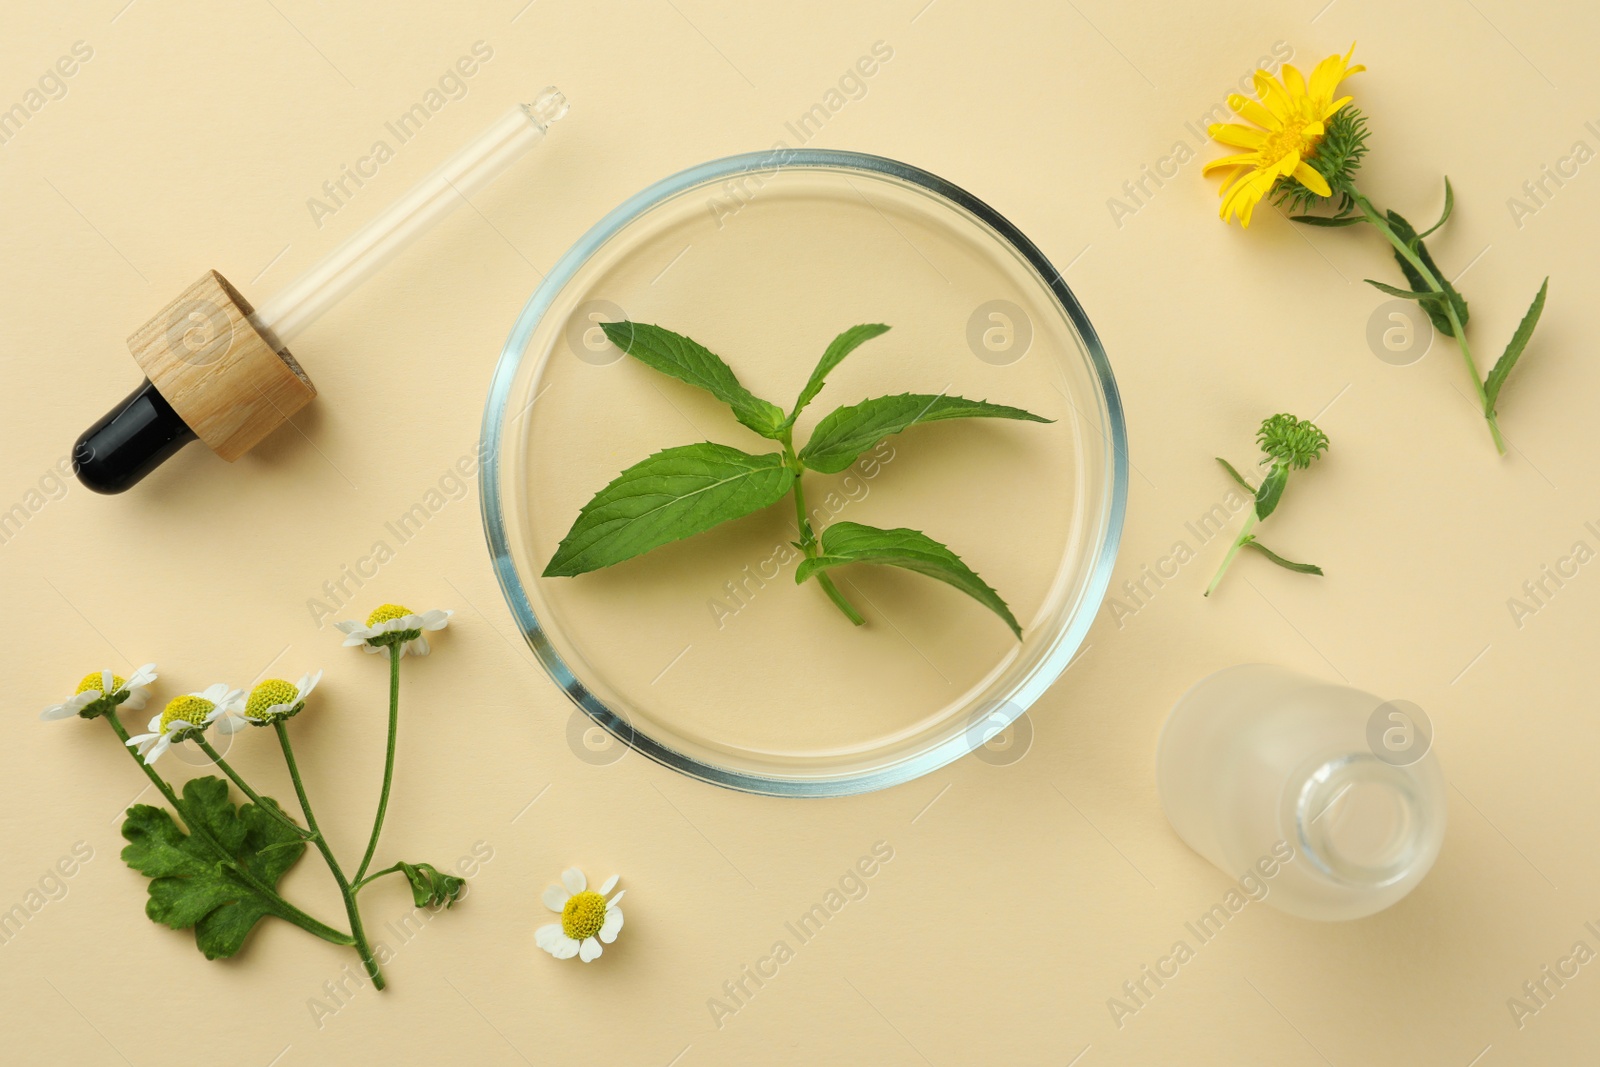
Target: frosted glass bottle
1258	763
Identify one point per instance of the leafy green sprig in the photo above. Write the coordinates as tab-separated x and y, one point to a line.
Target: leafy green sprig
1337	157
1290	444
679	492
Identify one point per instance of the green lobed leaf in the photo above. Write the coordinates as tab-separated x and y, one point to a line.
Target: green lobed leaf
1434	305
1271	490
1302	568
1519	341
689	361
191	884
431	887
1449	205
676	493
1236	476
845	433
913	550
840	347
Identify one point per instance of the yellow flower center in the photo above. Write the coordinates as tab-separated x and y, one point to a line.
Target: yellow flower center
385	612
1292	138
268	694
93	679
583	915
190	709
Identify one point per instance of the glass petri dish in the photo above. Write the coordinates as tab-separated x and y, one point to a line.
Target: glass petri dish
705	655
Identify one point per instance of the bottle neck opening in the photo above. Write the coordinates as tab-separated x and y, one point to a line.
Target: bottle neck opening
1360	820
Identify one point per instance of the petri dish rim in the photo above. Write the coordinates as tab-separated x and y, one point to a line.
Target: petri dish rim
492	506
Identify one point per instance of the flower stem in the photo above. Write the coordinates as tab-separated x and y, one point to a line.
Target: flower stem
363	948
1238	543
374	876
808	540
244	787
1381	223
388	759
282	908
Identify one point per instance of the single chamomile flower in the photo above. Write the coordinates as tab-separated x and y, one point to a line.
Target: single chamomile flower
268	702
585	916
391	624
101	691
190	713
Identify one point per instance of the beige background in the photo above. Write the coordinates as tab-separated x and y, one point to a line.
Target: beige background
1020	897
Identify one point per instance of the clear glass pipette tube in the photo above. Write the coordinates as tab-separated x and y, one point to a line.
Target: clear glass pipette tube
380	240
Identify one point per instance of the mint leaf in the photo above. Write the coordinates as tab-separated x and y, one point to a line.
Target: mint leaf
1302	568
191	884
1449	204
430	886
1434	305
846	432
1393	290
673	494
913	550
1519	341
841	347
689	361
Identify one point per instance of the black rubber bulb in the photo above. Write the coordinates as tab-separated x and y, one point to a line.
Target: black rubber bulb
130	441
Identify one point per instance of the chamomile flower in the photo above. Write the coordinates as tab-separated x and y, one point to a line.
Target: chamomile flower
268	702
187	714
587	917
100	691
391	624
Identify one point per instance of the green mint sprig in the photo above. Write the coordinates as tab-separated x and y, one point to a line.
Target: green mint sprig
1290	444
679	492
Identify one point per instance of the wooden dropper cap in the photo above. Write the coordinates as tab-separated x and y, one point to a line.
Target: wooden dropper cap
210	373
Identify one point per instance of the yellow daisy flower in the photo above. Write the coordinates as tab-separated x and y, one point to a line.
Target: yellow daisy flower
1291	115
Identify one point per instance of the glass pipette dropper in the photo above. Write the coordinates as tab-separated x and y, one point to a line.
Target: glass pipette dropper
220	371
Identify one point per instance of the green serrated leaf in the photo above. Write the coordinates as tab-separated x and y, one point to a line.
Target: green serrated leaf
913	550
689	361
191	885
1302	568
1449	204
1434	306
1396	291
1271	490
676	493
1513	352
841	347
845	433
431	887
1236	476
1328	220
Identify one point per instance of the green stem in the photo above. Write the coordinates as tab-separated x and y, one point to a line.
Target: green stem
244	787
1238	543
374	876
388	759
282	908
808	540
348	892
1381	223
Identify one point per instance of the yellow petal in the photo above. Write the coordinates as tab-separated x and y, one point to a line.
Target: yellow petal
1328	111
1308	177
1272	94
1243	159
1294	80
1236	135
1254	112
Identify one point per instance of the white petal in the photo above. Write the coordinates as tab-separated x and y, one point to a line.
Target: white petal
589	950
143	676
435	619
574	880
57	711
555	898
136	699
609	884
106	680
141	739
548	937
611	927
157	749
612	902
213	693
418	646
565	949
308	682
348	626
